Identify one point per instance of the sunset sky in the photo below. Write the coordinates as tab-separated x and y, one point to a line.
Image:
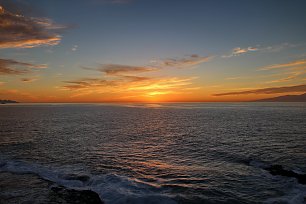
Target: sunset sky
151	50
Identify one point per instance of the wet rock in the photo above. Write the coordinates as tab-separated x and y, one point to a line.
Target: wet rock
279	170
77	196
82	178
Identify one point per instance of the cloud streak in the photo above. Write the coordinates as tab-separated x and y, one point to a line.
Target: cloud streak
119	70
138	86
13	67
18	31
276	48
285	65
273	90
189	61
28	80
238	51
118	78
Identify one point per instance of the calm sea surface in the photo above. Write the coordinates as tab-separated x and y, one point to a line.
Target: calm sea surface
153	153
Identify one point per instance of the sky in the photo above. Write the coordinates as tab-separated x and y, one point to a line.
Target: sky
151	50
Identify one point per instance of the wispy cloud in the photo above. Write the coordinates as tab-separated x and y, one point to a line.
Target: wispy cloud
189	61
128	79
272	90
285	65
238	51
236	78
290	76
28	80
18	31
275	48
156	65
138	86
119	70
74	48
13	67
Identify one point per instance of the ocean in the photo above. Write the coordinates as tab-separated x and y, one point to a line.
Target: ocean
153	153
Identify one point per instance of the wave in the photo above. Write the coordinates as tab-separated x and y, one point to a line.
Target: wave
296	194
111	188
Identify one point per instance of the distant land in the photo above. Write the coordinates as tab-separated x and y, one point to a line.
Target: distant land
7	101
287	98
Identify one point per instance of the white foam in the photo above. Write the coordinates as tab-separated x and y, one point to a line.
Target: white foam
111	188
259	164
296	195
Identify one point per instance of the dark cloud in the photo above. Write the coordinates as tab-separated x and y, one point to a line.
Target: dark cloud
118	70
273	90
98	83
28	80
88	83
13	67
19	31
185	62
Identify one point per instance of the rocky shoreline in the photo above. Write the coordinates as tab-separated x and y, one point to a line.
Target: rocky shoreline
29	188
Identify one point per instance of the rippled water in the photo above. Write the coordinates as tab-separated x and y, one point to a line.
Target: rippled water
158	153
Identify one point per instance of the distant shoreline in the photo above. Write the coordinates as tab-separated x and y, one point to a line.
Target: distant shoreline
7	101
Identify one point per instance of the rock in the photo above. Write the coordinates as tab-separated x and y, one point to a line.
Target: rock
77	196
82	178
279	170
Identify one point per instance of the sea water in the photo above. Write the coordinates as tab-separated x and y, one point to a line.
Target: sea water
153	153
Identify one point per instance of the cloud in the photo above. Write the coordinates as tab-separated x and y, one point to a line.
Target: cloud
238	51
280	47
13	67
235	78
14	94
140	86
28	80
18	31
74	48
290	76
118	70
285	65
275	48
127	79
189	61
156	65
273	90
88	83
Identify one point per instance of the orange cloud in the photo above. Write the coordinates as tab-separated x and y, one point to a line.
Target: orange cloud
272	90
18	31
285	65
290	77
13	67
28	80
138	87
118	70
125	79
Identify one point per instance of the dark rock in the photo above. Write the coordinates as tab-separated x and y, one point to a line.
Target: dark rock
7	101
279	170
2	164
82	178
77	196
